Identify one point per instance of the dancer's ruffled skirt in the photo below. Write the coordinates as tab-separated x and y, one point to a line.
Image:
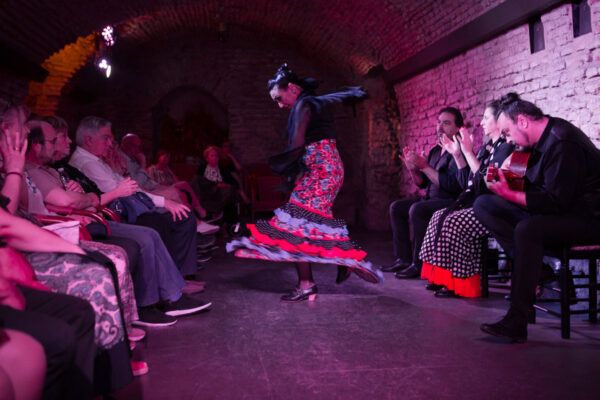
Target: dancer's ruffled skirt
304	230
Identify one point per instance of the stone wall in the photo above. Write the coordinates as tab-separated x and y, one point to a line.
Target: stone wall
151	60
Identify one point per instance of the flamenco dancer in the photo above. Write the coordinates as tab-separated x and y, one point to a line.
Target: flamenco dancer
303	230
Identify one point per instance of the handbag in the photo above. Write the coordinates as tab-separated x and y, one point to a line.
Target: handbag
131	207
68	230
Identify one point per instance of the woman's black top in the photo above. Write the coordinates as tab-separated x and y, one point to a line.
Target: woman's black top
310	120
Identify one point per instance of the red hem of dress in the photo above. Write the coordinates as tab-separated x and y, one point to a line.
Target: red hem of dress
468	287
306	248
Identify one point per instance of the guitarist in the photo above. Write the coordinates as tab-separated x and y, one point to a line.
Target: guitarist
559	207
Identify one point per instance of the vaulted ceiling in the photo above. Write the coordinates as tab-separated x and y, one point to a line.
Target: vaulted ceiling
359	33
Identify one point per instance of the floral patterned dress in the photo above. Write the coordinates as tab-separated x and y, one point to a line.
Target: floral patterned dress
304	229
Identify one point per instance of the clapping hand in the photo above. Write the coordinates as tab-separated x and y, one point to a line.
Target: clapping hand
413	160
465	139
407	158
420	160
451	145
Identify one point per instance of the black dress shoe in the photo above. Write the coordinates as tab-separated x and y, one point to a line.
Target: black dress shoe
409	273
343	273
433	287
445	293
397	266
301	295
510	327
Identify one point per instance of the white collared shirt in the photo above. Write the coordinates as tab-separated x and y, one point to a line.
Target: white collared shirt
102	174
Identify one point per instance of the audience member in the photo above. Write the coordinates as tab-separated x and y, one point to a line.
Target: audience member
156	277
161	173
66	267
217	187
177	230
64	327
132	156
22	359
227	161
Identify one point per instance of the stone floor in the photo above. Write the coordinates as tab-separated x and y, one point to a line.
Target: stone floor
357	341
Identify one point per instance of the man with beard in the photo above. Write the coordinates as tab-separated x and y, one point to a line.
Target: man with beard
409	217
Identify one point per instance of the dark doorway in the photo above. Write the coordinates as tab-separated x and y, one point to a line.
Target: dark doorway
186	121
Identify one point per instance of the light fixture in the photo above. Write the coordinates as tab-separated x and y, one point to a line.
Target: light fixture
105	41
108	34
104	64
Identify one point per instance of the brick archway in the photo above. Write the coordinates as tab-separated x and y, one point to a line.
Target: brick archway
43	97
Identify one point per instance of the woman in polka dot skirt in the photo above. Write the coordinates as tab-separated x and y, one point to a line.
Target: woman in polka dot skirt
452	249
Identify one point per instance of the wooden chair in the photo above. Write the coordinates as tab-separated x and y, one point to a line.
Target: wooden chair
94	216
565	289
490	271
592	255
84	234
265	193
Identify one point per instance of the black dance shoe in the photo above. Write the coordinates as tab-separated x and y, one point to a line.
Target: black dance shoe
445	293
343	273
409	273
433	287
397	266
298	294
510	327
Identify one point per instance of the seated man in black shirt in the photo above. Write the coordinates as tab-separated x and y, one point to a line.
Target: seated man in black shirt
409	216
559	207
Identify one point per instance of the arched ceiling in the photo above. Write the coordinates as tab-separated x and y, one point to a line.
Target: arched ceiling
359	33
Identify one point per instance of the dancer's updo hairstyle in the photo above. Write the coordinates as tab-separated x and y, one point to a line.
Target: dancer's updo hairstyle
284	76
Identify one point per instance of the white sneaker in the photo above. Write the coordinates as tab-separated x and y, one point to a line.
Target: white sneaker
206	229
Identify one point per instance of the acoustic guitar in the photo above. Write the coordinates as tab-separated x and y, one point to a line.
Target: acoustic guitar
514	171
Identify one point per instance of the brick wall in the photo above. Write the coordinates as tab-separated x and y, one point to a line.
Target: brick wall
234	73
158	54
563	79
